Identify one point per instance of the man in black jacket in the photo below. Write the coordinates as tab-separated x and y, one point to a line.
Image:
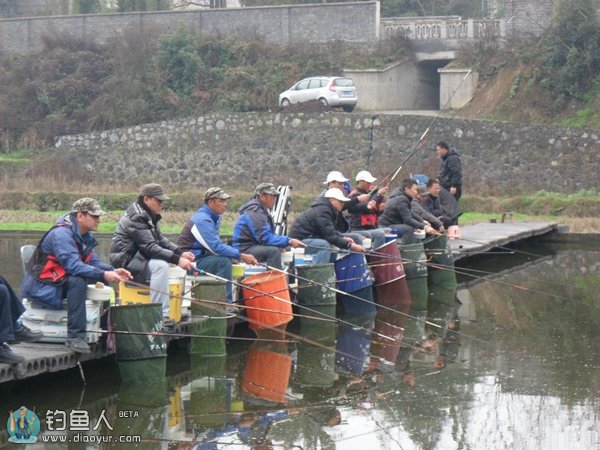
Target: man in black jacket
451	177
398	214
139	246
322	225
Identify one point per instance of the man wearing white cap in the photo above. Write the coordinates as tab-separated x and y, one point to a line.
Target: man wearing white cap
366	222
322	225
358	204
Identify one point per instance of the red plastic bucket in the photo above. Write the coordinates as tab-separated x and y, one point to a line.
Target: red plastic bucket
267	297
386	264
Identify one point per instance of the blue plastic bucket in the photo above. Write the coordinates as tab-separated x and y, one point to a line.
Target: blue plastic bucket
352	273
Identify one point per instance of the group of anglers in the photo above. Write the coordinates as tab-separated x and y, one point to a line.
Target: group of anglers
67	263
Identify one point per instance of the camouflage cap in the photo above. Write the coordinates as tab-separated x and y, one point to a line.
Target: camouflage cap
153	190
215	193
87	205
266	188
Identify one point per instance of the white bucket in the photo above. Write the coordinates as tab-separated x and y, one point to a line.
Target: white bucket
367	243
176	273
99	292
287	257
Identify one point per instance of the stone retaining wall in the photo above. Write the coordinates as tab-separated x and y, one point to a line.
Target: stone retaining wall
240	150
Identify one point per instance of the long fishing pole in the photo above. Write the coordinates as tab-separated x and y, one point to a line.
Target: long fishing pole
287	301
290	334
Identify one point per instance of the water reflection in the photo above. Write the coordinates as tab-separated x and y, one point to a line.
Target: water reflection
510	368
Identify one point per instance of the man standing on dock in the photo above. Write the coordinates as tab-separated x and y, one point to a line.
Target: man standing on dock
254	231
200	236
451	177
139	246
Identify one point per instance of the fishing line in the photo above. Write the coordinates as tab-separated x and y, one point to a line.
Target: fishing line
502	248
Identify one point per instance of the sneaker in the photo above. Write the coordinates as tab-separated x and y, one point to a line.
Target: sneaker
28	335
78	345
7	356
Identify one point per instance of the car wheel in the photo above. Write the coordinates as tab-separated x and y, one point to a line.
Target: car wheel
285	103
323	101
348	108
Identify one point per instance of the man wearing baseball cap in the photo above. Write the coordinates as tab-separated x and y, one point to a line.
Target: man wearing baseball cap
139	246
200	236
361	203
70	244
364	221
322	225
254	231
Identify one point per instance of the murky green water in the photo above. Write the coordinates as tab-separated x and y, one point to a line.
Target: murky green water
522	373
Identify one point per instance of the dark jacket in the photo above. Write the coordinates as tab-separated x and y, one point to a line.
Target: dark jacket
138	239
433	206
200	235
73	251
451	170
255	227
398	211
322	221
364	218
418	208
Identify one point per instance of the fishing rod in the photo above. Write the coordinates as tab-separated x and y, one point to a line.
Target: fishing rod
287	301
288	333
188	335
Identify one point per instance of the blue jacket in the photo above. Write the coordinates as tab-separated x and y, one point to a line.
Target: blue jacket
255	227
71	249
200	235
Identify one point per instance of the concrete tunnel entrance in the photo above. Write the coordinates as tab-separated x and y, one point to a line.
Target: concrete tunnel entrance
430	81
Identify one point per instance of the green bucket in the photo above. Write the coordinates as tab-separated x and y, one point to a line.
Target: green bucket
316	364
138	318
143	371
314	283
414	259
419	292
439	252
213	290
215	345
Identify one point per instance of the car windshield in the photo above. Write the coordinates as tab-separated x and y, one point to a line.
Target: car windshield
343	82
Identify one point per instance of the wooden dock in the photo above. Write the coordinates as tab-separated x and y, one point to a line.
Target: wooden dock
483	237
46	357
475	240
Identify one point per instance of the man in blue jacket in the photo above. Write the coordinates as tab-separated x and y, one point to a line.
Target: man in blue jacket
200	235
254	232
72	244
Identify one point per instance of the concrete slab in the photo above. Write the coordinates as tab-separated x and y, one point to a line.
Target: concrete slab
482	237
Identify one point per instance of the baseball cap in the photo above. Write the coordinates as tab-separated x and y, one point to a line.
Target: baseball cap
337	194
215	193
335	176
153	190
365	175
87	205
266	188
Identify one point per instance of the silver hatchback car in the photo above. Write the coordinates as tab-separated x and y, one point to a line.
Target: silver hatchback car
332	91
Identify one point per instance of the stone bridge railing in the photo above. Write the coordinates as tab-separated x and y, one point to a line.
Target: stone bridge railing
440	28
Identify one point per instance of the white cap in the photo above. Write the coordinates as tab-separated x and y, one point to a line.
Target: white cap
335	176
337	194
365	175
